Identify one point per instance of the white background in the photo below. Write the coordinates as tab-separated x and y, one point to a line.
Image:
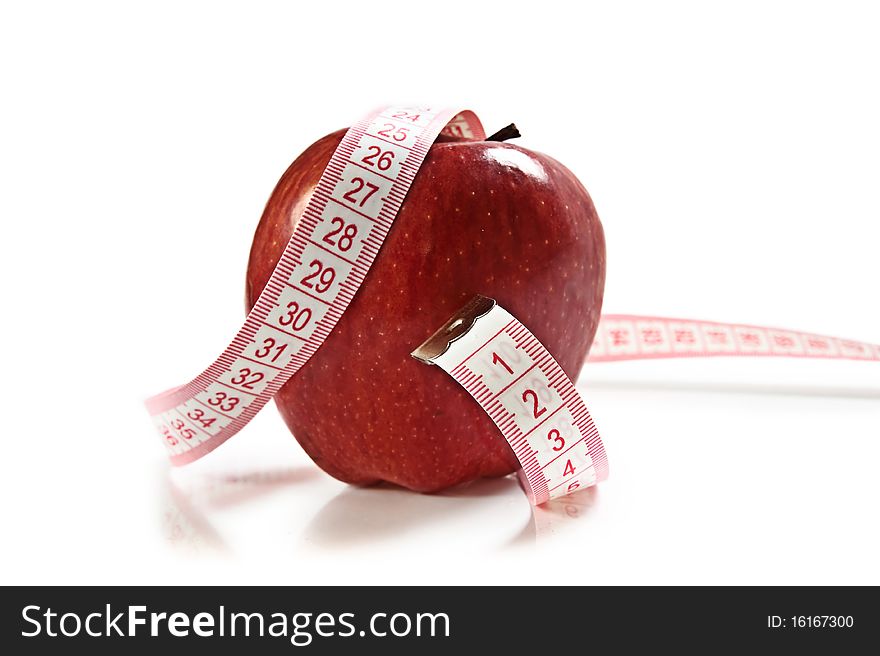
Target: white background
732	153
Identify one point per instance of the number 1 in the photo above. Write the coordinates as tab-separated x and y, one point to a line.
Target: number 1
497	360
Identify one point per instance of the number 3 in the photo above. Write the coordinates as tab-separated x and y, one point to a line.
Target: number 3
219	399
296	318
554	436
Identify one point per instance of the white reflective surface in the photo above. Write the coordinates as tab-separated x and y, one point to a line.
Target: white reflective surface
732	158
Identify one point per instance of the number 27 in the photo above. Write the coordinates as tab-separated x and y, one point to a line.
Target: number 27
359	184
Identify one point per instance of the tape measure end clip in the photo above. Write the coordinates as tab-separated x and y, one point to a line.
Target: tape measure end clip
458	325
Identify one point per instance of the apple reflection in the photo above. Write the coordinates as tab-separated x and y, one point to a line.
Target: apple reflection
358	516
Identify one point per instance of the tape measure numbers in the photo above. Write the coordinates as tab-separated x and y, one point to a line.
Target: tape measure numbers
629	337
363	185
526	393
491	354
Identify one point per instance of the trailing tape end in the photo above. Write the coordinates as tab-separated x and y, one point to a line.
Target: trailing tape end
458	325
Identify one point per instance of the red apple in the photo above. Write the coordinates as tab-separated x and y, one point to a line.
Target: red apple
481	217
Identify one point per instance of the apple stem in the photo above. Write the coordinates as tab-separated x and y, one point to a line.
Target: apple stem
505	133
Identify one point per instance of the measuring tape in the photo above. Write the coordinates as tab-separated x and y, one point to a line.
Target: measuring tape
317	282
493	356
630	337
526	393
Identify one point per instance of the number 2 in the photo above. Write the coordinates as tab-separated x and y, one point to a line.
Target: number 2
344	242
536	411
385	158
324	275
398	135
247	378
405	116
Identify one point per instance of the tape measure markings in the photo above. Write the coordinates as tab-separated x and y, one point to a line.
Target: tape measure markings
361	205
195	418
633	337
526	394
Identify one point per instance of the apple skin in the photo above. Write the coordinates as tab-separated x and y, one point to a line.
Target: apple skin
481	217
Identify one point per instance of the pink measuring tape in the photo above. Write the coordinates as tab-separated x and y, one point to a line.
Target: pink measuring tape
274	343
493	356
628	337
526	393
